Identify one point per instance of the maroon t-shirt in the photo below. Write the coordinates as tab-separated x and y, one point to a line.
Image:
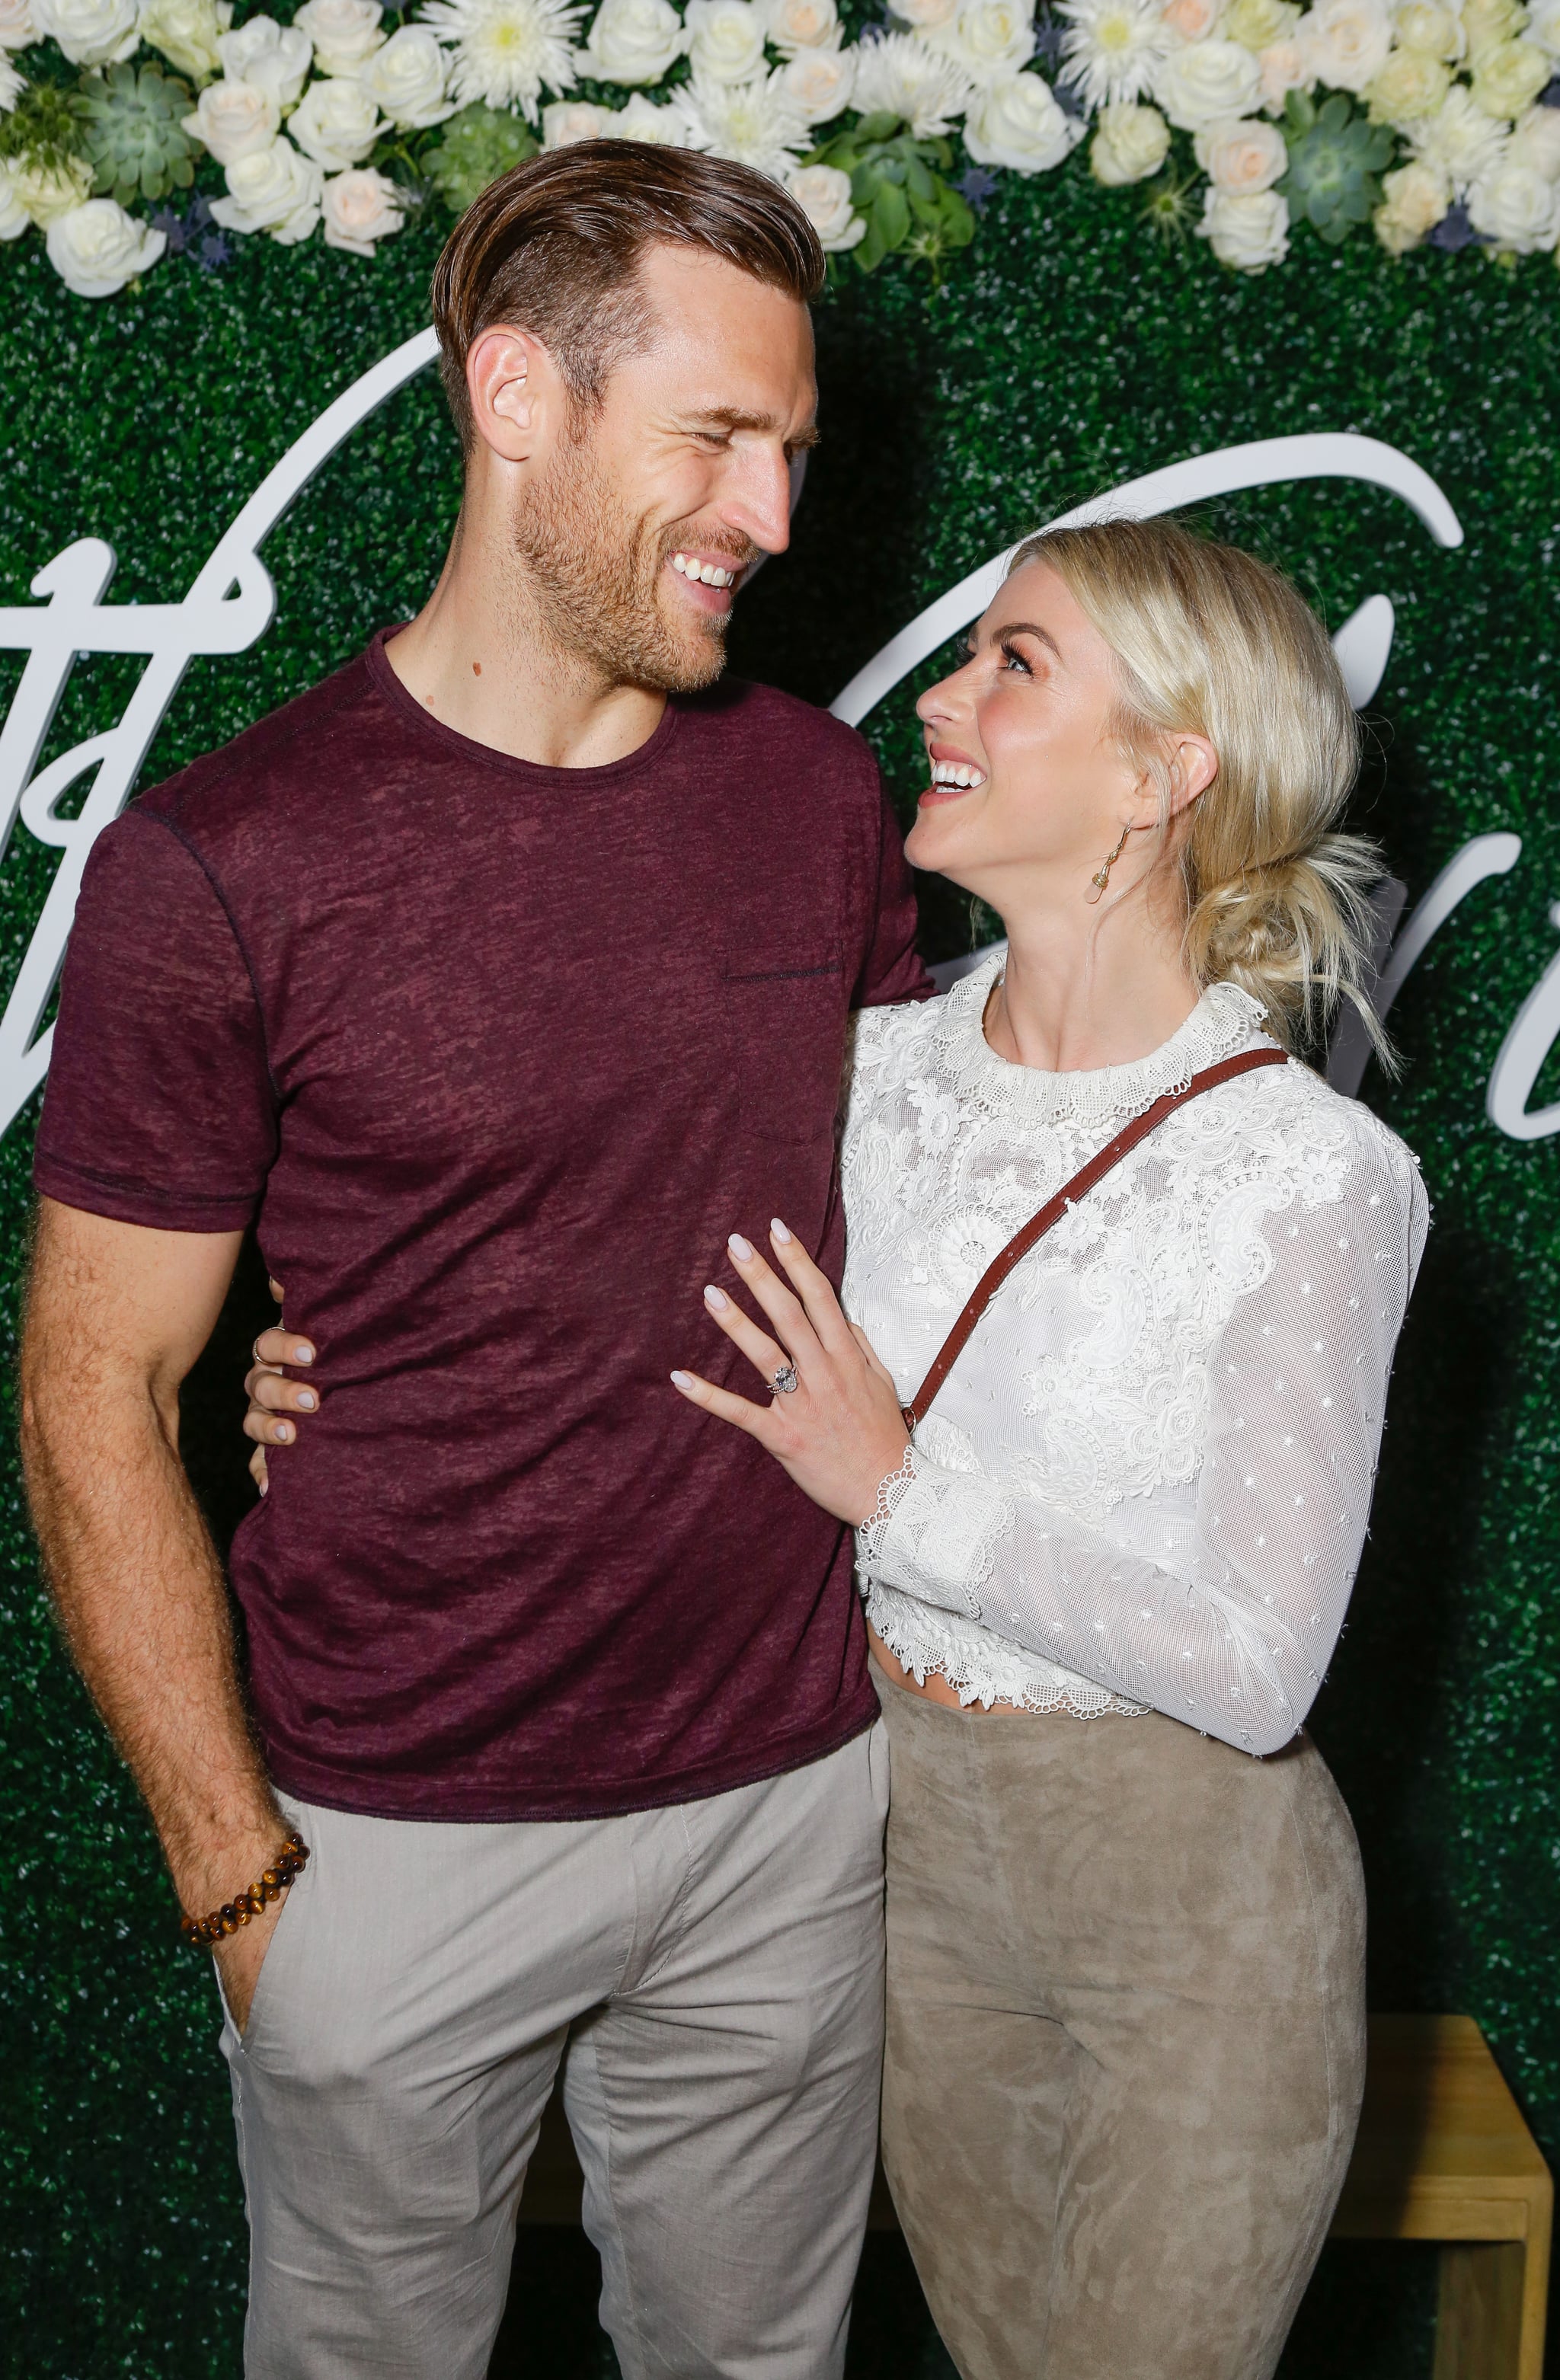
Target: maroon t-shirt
495	1056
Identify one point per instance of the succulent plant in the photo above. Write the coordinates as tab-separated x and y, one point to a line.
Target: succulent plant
898	184
1336	160
133	134
478	145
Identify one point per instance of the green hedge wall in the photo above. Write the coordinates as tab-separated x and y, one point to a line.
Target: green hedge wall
1065	351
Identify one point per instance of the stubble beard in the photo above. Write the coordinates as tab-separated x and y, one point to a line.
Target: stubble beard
595	573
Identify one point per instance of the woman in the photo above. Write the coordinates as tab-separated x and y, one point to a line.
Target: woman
1126	2023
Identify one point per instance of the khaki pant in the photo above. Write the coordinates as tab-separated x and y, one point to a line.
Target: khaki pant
1126	2038
717	1971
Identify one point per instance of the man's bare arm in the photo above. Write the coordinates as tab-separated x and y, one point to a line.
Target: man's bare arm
116	1316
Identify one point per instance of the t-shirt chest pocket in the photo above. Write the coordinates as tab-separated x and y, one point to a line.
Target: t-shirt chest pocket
786	1014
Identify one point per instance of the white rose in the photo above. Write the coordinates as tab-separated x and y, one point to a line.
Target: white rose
1284	66
1536	143
272	190
97	248
1131	142
822	192
1485	22
666	127
820	81
360	207
1508	76
1346	41
344	32
45	192
1242	157
1411	84
569	121
725	40
14	217
989	41
1018	124
273	57
17	29
1543	26
91	33
1195	20
1426	25
1415	199
1208	82
925	15
335	122
1257	24
234	118
1517	207
793	24
186	32
633	41
1249	233
407	78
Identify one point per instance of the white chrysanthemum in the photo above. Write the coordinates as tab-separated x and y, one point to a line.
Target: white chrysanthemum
900	76
12	85
753	123
1113	48
507	51
1459	139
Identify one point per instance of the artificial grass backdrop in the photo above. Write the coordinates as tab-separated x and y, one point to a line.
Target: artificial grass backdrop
1065	352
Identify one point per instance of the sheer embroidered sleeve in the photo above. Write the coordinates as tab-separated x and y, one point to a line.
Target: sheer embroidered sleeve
1218	1603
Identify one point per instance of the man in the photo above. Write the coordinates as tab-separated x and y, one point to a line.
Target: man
497	980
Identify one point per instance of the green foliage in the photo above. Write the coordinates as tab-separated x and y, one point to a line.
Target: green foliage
478	145
42	129
131	132
899	186
1336	160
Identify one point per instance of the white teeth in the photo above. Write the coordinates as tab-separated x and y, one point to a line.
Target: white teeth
710	573
956	772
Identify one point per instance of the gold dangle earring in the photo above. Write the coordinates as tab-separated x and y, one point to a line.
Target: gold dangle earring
1101	876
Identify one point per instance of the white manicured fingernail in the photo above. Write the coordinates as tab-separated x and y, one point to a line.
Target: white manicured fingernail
306	1399
284	1431
682	1379
739	1247
781	1233
303	1354
713	1296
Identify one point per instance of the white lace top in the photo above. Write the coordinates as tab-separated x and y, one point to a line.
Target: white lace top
1146	1482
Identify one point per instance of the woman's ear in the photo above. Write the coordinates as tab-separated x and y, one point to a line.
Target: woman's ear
1192	766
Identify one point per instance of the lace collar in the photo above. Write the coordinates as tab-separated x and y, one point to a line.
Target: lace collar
1225	1020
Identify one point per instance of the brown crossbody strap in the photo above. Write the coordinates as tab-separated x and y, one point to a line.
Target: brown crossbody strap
1082	1181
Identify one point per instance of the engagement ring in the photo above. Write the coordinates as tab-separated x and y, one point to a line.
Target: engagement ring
786	1379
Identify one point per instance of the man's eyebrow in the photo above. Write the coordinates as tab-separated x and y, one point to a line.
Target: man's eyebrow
732	417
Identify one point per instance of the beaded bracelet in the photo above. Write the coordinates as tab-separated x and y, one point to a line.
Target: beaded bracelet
204	1933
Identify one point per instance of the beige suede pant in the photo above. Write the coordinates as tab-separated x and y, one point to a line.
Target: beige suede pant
1126	2038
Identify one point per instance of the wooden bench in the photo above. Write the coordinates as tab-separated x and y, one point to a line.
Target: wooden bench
1443	2155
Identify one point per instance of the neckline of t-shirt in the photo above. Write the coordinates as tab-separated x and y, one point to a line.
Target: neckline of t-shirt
505	764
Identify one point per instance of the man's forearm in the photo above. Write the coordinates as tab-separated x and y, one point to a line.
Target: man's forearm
142	1598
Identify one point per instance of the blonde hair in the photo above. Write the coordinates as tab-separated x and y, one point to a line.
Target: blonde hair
1208	640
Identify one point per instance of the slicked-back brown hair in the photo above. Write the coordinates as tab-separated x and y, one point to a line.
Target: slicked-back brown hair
553	247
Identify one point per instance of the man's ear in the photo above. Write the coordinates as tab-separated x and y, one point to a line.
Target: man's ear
517	397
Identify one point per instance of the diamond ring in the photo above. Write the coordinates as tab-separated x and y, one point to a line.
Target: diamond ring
785	1379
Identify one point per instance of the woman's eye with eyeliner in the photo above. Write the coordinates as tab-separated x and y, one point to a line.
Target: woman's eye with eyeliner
1012	659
